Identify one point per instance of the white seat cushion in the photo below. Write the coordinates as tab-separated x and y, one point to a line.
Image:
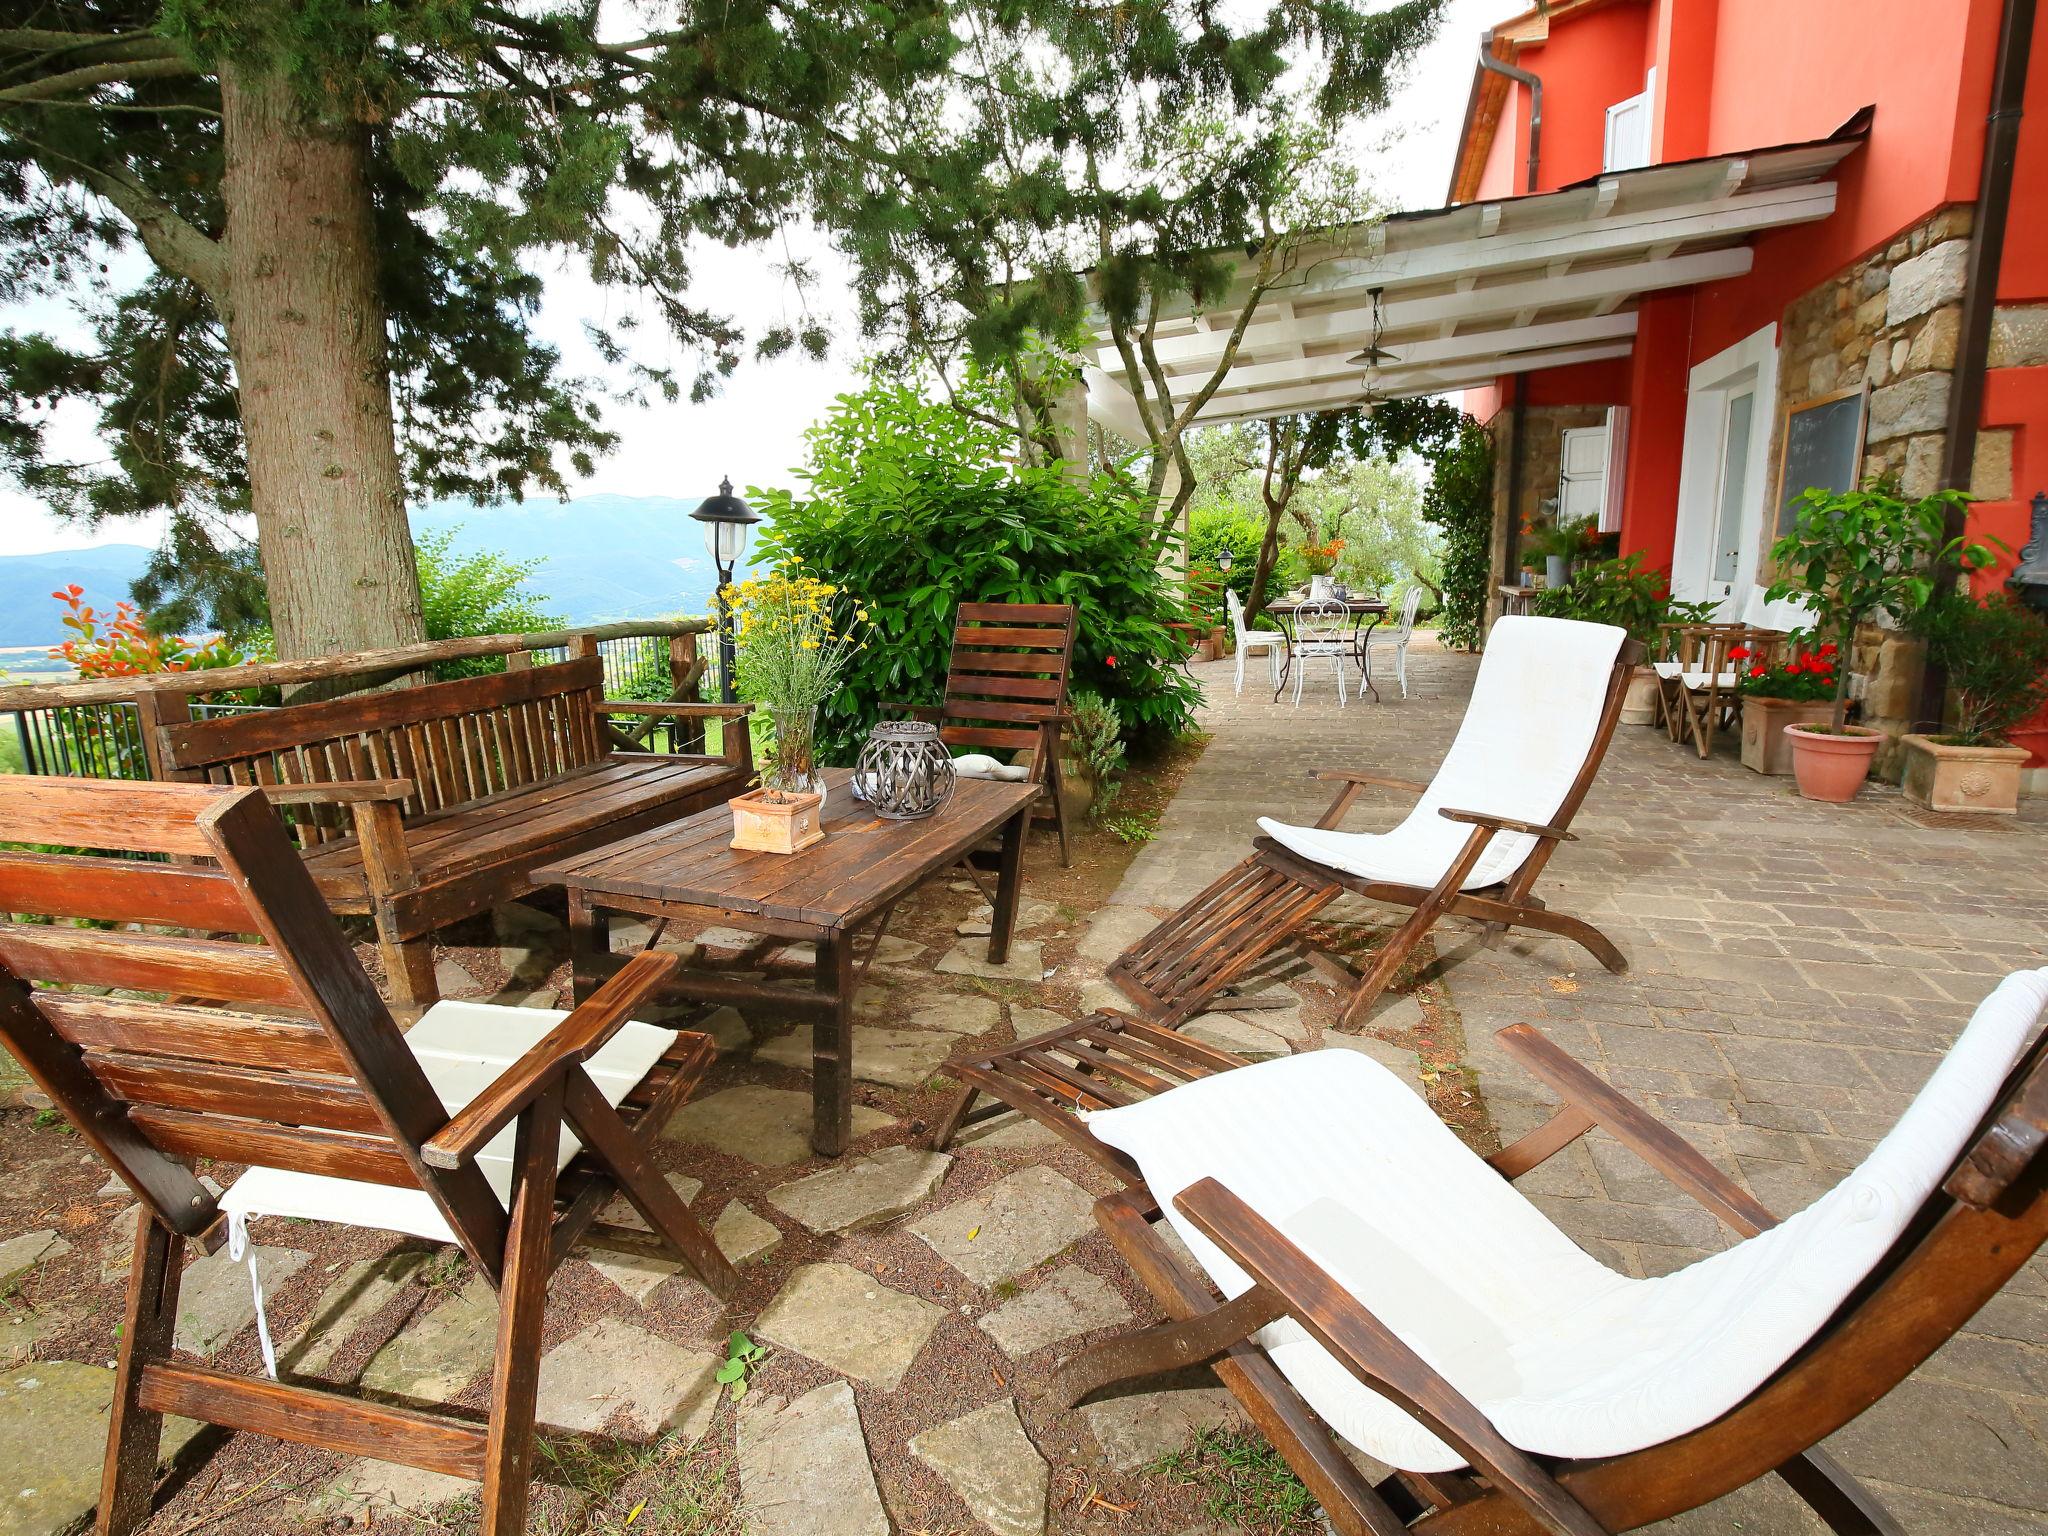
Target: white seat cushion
463	1048
1668	669
1563	1355
1701	679
1534	712
979	765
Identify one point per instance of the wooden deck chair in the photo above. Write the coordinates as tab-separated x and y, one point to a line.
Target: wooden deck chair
1432	1318
1542	712
1006	691
294	1066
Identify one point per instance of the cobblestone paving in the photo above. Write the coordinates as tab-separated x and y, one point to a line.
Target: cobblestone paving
1796	969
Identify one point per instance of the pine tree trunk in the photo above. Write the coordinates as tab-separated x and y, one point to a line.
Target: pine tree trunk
306	328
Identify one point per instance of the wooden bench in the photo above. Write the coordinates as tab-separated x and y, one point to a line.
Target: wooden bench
422	806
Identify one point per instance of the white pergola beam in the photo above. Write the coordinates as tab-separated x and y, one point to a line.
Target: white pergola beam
1619	283
1419	381
1113	405
1415	354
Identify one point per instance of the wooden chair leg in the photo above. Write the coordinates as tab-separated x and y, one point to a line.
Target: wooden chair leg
1844	1505
1057	786
627	1162
947	1126
408	967
1392	955
515	1378
135	1435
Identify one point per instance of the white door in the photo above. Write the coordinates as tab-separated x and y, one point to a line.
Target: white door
1582	482
1730	403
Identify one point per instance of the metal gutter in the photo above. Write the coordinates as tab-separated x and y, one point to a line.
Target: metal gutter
1980	284
1520	76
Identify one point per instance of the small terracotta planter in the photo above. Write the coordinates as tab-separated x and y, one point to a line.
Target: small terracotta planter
784	823
1954	778
1765	746
1639	704
1830	766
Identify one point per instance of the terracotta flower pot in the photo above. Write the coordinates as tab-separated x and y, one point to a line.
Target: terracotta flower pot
1639	704
1765	746
1946	777
1830	766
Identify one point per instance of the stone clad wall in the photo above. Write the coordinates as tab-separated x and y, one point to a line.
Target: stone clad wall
1892	322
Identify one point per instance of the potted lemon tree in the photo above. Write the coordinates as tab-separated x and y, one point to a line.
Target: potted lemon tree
1996	656
1851	555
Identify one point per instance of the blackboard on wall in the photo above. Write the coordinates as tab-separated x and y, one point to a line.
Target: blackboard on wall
1823	447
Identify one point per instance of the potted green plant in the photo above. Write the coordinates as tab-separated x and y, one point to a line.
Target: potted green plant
1996	656
1794	687
1850	555
1560	543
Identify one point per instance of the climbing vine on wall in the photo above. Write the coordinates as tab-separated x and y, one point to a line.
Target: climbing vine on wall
1459	500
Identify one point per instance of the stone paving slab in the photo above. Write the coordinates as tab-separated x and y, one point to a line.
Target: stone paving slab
895	1058
863	1192
215	1301
986	1458
961	1014
441	1352
613	1372
361	1290
804	1467
769	1127
1137	1430
850	1322
53	1440
1015	1224
1071	1302
969	957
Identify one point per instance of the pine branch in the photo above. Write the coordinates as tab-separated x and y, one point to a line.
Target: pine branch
91	76
175	244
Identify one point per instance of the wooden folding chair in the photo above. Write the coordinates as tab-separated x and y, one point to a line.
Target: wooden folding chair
1704	693
1006	691
244	1030
1570	1399
1489	874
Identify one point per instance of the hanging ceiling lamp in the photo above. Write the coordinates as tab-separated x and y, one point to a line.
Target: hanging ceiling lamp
1375	356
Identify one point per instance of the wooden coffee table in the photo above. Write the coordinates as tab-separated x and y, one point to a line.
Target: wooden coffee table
828	894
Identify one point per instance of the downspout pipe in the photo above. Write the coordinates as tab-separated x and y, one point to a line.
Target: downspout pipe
1498	66
1980	282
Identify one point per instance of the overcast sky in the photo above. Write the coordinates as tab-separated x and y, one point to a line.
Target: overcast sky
753	431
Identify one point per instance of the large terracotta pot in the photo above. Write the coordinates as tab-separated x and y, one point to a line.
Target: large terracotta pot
1830	766
1765	746
1944	777
1639	704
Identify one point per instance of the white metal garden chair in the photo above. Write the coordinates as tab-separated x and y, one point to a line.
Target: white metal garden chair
1398	637
1270	641
1322	631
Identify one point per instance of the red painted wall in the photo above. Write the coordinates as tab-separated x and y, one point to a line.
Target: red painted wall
1589	65
1581	384
2023	272
1656	427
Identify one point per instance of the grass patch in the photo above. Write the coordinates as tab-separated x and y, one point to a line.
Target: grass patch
1244	1482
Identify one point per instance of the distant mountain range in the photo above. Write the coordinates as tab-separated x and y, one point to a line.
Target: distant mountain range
602	558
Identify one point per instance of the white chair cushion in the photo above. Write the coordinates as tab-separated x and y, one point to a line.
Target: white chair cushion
1534	712
979	765
1668	669
1563	1355
463	1048
1700	679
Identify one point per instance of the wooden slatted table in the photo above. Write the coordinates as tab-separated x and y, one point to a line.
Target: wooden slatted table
688	872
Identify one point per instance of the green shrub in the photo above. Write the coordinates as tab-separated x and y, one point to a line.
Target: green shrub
1619	592
1460	501
1214	529
483	593
911	510
1996	656
1097	735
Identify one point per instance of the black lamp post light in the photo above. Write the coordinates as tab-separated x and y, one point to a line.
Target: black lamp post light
1225	559
726	521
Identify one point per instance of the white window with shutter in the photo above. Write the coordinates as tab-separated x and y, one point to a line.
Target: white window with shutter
1628	129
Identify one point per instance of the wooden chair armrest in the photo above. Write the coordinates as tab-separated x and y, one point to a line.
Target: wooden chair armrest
1373	1352
673	710
1637	1129
352	792
1351	776
1349	785
576	1039
1506	824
